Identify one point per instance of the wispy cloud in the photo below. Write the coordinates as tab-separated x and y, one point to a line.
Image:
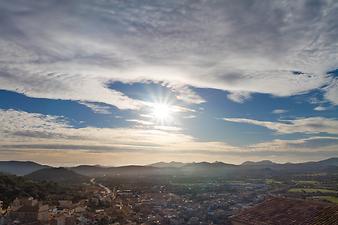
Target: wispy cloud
186	94
332	92
239	96
98	108
32	130
307	145
311	125
72	50
141	122
279	111
320	108
49	139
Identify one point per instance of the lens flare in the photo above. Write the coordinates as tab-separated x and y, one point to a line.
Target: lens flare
162	113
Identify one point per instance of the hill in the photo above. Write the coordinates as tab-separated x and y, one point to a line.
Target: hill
20	168
208	165
91	171
12	186
328	162
58	175
259	163
207	169
326	165
171	164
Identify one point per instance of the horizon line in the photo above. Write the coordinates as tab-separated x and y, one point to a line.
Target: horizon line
150	164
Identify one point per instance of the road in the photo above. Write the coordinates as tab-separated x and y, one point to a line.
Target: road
106	189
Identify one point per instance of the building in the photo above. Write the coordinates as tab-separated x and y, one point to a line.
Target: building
2	220
15	204
43	215
282	211
26	214
2	211
67	204
27	211
63	220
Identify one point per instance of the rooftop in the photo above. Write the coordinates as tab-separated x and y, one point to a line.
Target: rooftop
281	211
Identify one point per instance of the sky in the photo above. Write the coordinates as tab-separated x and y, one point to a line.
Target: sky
116	82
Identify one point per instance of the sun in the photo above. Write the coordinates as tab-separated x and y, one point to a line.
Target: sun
161	112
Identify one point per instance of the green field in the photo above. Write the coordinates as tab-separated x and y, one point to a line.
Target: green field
272	181
311	182
332	199
312	190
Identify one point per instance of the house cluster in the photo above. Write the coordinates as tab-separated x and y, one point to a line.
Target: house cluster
30	211
141	206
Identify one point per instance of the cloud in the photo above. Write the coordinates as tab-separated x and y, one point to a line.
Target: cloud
72	50
51	139
310	125
97	108
168	128
42	137
320	108
141	122
22	130
332	92
13	121
279	111
307	145
186	94
189	117
239	96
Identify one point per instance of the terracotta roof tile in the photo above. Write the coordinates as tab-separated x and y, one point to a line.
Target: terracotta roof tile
282	211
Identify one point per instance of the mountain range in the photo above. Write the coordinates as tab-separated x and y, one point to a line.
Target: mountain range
40	172
20	168
168	164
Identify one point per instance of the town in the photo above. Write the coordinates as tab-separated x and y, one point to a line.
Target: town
178	200
144	205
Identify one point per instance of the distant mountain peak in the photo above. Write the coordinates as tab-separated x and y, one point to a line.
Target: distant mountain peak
209	165
172	164
259	163
20	167
58	174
